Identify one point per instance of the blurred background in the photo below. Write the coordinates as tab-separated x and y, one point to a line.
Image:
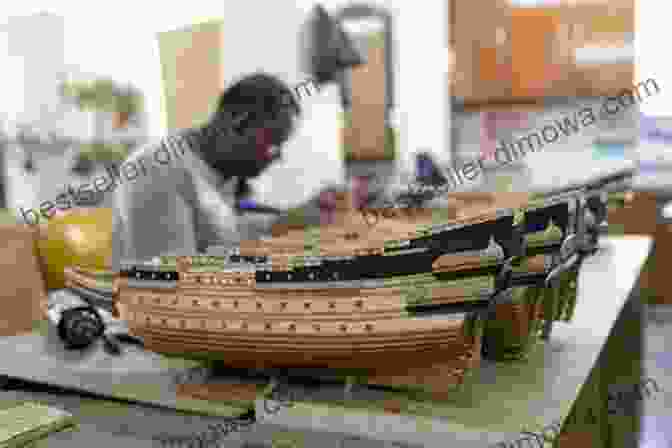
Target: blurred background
61	122
85	84
89	90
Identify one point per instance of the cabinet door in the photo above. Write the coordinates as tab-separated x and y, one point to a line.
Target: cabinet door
191	64
480	38
494	71
602	38
537	72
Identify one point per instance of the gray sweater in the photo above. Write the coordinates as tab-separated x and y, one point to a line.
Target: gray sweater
169	201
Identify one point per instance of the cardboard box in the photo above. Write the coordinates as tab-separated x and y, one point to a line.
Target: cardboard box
639	216
22	291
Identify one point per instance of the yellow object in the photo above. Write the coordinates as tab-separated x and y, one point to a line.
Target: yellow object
616	23
82	238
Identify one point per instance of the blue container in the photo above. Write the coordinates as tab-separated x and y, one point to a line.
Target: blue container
247	204
609	150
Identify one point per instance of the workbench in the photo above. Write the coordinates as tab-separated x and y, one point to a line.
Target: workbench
495	404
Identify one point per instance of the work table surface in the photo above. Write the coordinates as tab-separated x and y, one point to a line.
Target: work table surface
498	400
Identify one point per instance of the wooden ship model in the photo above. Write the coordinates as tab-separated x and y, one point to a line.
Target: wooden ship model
356	301
341	311
362	297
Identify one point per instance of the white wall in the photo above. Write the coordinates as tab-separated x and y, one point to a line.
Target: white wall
651	31
31	66
421	58
96	42
118	39
424	111
39	40
11	89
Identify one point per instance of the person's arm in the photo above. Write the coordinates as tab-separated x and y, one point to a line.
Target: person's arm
252	226
308	214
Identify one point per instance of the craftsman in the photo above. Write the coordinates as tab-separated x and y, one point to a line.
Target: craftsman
184	207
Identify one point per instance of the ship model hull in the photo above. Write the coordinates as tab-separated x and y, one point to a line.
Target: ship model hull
343	325
384	300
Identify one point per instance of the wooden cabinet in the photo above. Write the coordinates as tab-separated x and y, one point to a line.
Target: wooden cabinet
507	54
503	53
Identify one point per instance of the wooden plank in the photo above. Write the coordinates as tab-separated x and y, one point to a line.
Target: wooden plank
226	392
364	136
191	62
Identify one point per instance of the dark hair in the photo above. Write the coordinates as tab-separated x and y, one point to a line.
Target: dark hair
256	97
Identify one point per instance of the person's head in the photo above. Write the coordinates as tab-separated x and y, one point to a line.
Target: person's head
254	117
